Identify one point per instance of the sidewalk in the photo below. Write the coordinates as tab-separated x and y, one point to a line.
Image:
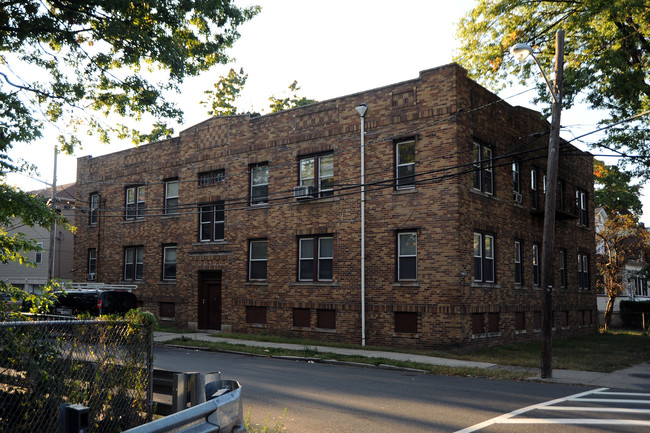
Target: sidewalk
636	378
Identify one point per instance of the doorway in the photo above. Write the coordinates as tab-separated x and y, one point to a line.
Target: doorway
209	300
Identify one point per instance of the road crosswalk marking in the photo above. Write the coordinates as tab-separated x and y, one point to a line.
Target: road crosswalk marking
600	395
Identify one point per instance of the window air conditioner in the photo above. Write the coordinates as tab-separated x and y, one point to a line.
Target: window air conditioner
90	277
303	191
518	197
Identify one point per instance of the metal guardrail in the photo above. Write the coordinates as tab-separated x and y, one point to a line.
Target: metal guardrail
182	388
222	413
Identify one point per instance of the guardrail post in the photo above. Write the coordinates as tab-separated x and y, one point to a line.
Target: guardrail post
197	386
179	392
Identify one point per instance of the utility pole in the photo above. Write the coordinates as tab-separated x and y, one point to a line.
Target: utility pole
50	262
548	245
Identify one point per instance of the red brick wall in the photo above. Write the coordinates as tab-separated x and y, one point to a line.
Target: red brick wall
444	112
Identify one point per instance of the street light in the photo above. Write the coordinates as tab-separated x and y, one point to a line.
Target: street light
521	52
362	109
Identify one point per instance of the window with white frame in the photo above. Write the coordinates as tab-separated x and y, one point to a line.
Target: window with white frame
171	196
536	269
483	179
212	222
519	273
563	269
133	263
93	215
405	158
135	202
581	205
534	196
407	256
583	271
259	192
257	259
39	254
316	258
317	173
169	262
483	258
92	262
516	182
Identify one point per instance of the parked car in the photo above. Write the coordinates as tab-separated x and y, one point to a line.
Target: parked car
95	302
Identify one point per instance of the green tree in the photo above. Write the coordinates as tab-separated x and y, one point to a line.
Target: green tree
607	58
291	101
67	63
614	190
226	91
621	238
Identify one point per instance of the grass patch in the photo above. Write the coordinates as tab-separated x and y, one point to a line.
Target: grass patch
602	352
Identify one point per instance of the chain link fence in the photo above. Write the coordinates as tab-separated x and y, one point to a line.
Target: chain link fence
103	364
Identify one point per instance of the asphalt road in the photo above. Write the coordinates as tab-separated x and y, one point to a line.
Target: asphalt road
337	398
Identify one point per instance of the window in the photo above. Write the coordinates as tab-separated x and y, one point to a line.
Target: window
483	258
94	209
301	317
537	320
563	269
405	157
259	184
316	258
211	226
477	324
406	322
536	274
640	286
581	205
39	253
317	172
169	262
92	261
326	319
583	271
133	263
258	251
256	315
171	197
407	255
516	182
520	321
483	168
534	197
519	274
211	177
493	323
135	202
167	310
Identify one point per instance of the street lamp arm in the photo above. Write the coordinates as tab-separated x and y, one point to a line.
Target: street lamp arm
548	83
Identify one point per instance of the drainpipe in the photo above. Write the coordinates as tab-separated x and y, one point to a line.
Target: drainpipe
361	109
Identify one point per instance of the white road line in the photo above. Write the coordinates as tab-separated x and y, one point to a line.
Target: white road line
595	409
503	418
576	421
629	394
610	400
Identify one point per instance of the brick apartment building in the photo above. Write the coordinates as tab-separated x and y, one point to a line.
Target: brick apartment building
253	223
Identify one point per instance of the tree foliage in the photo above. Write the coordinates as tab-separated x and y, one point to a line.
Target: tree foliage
225	93
291	101
621	238
615	192
607	58
64	60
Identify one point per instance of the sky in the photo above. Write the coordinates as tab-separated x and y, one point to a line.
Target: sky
332	49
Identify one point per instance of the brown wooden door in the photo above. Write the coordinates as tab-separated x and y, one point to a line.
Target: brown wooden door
210	300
